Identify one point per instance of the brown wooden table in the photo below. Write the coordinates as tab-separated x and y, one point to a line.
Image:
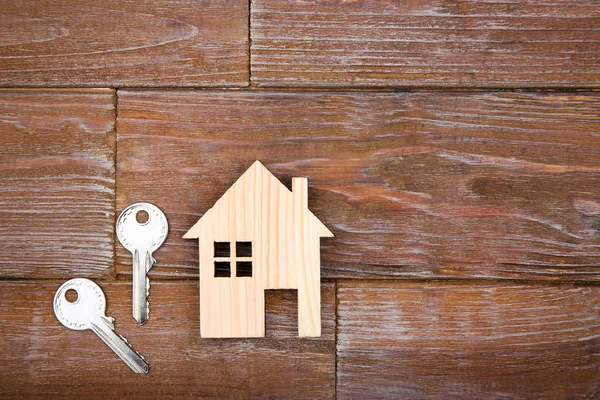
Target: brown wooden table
452	147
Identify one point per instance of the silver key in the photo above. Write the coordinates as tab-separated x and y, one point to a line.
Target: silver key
88	312
142	239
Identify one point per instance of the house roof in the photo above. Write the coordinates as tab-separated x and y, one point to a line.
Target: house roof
256	167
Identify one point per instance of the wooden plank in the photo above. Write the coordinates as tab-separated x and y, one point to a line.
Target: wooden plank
491	185
457	341
421	43
41	358
57	183
124	43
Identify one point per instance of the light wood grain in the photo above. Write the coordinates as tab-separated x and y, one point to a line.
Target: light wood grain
459	341
424	43
433	185
41	358
57	184
124	43
283	237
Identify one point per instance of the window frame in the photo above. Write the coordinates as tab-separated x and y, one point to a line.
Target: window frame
233	259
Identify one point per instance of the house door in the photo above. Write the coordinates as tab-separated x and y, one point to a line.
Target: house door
281	313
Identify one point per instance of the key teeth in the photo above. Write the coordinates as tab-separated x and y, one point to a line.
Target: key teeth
147	294
125	340
131	347
110	321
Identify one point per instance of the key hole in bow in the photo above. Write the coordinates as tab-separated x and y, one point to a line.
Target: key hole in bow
142	217
71	295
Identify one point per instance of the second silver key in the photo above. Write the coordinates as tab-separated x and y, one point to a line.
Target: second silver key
87	311
142	239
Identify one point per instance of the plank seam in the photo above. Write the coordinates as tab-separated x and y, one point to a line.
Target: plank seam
249	43
334	89
466	281
116	144
335	337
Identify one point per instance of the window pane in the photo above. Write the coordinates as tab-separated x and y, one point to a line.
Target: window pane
222	269
243	249
222	249
243	268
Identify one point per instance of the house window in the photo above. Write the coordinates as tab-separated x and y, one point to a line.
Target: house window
243	249
222	249
237	255
222	269
243	268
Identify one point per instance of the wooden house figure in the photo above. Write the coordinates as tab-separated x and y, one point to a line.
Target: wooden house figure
258	236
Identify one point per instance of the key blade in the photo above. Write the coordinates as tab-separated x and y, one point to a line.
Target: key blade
119	345
141	286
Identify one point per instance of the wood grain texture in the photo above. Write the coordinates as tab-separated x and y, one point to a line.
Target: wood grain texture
57	183
457	341
494	185
41	358
424	43
124	43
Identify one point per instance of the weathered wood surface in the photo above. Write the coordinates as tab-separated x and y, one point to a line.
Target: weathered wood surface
124	43
41	358
57	183
458	341
424	43
435	185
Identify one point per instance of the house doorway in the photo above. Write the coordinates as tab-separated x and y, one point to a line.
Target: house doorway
281	313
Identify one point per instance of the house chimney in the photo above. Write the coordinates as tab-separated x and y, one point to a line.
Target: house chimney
300	192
